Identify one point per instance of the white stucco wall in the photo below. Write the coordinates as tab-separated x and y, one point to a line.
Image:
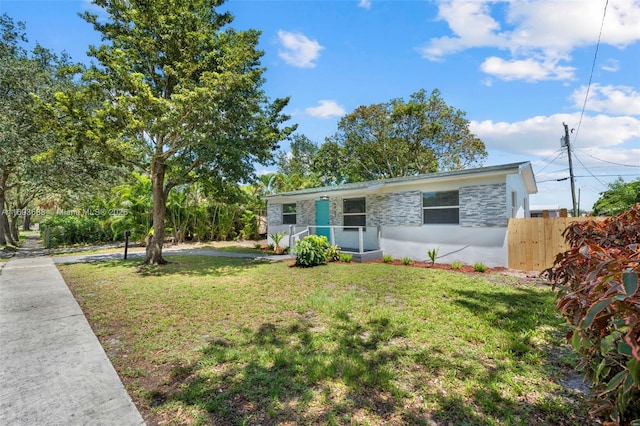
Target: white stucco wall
455	243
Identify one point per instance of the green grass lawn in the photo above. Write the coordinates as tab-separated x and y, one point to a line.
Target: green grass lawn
211	340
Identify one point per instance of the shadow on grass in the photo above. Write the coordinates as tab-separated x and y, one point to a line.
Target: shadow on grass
296	372
189	265
367	372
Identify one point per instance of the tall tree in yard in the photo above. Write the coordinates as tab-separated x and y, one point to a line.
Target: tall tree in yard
175	93
400	138
23	74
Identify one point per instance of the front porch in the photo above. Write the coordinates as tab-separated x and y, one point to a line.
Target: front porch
361	242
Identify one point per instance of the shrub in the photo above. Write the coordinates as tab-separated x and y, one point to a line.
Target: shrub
69	230
312	250
597	282
387	258
257	246
406	261
433	254
456	265
250	226
333	253
479	267
347	258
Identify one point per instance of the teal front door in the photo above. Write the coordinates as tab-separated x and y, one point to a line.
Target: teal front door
322	218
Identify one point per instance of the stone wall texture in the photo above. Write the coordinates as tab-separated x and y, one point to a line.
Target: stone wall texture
483	205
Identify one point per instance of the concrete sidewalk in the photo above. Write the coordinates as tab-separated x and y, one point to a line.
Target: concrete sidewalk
53	370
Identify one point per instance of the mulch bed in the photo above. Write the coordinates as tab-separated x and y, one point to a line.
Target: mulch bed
444	266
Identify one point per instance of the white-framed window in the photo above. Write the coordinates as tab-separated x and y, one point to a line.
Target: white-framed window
354	212
289	214
442	207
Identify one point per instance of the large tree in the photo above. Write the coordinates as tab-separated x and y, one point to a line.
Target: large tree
176	94
619	197
401	138
25	172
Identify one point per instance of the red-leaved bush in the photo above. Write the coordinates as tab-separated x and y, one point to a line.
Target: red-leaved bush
597	280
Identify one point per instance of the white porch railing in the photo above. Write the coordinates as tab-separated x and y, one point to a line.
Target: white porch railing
342	231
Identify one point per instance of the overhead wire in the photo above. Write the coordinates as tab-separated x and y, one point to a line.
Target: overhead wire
589	171
593	66
610	162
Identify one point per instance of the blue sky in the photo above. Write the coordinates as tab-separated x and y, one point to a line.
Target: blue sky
518	68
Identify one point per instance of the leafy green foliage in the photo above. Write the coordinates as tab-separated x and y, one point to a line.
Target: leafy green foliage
346	258
333	253
456	265
250	228
618	198
387	258
175	93
433	254
597	280
399	138
277	238
479	267
312	250
70	229
407	261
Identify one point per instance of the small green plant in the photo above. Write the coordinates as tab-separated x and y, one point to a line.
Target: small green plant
346	258
257	246
479	267
271	246
457	265
387	258
406	261
333	253
312	250
277	237
433	255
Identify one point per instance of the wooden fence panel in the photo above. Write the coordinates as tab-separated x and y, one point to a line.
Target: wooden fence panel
534	243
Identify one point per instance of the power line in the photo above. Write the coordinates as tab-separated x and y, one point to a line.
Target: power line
557	153
593	65
589	171
610	162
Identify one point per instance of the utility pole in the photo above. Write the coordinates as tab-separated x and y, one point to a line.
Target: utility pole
566	143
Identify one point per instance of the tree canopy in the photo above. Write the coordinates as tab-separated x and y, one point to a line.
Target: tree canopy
25	171
177	95
619	197
399	138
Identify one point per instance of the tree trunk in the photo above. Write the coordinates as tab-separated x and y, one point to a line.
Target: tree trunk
5	229
26	222
13	226
155	241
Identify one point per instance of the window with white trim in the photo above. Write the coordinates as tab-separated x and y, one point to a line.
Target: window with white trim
354	212
441	207
289	214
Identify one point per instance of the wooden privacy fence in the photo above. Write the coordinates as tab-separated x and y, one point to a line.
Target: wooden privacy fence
534	243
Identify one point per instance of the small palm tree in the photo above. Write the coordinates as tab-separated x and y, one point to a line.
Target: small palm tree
277	237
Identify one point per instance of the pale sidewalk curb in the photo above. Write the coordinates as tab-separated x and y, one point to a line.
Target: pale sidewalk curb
53	370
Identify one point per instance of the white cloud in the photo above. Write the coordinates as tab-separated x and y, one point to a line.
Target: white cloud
326	109
365	4
548	30
611	65
540	136
299	50
527	69
623	100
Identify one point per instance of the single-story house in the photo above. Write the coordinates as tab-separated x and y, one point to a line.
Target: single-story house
462	213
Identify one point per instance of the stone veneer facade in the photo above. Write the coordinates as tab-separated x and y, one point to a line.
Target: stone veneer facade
480	206
483	206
